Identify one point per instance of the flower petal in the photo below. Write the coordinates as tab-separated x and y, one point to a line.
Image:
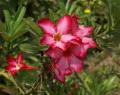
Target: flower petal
60	45
76	64
11	60
27	67
54	53
19	58
46	40
12	69
82	49
63	66
75	24
64	24
47	25
76	49
89	41
58	76
84	31
67	38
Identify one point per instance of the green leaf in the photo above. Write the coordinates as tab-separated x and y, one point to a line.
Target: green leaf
5	36
20	30
108	84
72	7
31	48
28	48
33	26
1	26
88	82
7	20
18	18
9	77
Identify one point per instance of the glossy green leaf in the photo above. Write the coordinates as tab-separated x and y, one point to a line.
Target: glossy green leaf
18	18
33	26
20	30
7	20
31	48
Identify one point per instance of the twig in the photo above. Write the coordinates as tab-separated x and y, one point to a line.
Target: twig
35	86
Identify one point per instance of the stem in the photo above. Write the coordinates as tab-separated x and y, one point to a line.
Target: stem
20	89
35	85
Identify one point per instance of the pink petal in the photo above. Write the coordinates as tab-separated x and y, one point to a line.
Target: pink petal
75	23
89	41
67	38
64	25
60	45
84	31
27	67
46	40
76	49
47	25
76	64
54	53
80	50
12	69
19	58
63	66
58	76
84	51
11	60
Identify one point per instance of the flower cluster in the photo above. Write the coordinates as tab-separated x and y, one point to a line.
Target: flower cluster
68	44
17	64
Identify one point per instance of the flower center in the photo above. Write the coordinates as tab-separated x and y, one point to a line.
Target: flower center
17	67
57	37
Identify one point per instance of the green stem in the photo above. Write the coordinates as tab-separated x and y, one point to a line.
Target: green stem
35	86
20	89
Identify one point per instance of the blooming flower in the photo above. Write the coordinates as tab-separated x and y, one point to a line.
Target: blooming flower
56	35
65	63
17	64
68	44
84	41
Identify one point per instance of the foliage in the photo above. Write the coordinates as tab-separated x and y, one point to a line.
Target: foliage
19	32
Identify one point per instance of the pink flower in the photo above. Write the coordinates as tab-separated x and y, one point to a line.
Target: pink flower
65	63
80	46
84	41
17	64
68	43
56	35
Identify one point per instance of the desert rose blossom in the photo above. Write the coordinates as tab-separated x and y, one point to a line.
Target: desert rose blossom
84	41
69	59
66	63
57	73
80	46
17	64
56	35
